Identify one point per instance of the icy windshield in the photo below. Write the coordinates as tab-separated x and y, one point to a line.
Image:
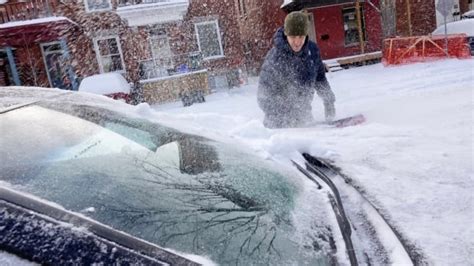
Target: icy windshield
179	191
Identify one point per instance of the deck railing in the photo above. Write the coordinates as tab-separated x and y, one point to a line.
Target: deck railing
170	66
122	3
32	9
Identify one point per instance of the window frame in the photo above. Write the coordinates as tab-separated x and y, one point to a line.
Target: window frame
242	7
99	56
155	57
89	10
219	38
364	31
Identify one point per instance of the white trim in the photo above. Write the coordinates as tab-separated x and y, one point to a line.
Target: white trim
86	4
153	13
215	22
173	76
214	57
99	56
44	54
362	13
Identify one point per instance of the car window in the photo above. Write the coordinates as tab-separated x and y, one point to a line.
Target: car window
176	190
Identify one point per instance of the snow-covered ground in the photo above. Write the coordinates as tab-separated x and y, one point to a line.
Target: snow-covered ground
413	157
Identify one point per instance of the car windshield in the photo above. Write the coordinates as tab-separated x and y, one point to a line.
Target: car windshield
180	191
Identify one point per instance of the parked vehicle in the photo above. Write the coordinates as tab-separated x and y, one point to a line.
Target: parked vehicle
78	162
467	15
179	191
112	85
465	26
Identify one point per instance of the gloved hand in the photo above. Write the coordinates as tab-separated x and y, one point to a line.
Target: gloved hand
329	110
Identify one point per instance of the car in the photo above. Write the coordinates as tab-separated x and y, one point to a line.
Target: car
76	160
465	26
112	85
59	233
468	15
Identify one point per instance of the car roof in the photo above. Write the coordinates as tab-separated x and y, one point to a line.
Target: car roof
465	26
468	14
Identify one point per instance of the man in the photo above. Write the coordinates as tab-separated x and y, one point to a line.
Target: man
292	71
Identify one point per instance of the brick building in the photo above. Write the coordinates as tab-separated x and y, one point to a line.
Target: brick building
146	41
258	22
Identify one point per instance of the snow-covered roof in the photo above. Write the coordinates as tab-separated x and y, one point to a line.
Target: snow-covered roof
154	13
107	83
162	3
461	26
32	21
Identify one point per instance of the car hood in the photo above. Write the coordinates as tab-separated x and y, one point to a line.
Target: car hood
181	191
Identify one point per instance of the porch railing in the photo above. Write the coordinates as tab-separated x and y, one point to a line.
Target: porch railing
138	2
32	9
170	66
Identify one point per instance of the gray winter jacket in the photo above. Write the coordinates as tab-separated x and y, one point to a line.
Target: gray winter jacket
288	81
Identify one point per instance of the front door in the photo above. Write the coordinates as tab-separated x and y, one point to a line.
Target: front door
53	56
5	72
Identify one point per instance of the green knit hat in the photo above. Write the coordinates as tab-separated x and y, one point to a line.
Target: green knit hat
296	24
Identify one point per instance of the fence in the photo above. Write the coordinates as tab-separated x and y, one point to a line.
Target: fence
169	66
421	48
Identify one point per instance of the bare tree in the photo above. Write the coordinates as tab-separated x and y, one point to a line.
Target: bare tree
388	14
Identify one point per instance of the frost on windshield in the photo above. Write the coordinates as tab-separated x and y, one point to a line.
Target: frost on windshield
176	190
233	213
188	194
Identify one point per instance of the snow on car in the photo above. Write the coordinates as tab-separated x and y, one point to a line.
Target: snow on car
465	26
468	14
112	85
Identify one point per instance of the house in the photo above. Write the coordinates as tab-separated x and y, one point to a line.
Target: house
166	47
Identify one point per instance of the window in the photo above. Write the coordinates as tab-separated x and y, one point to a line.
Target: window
162	57
160	48
351	31
242	7
97	5
109	54
53	56
209	39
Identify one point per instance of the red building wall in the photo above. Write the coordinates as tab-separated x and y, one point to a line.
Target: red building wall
329	22
422	15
